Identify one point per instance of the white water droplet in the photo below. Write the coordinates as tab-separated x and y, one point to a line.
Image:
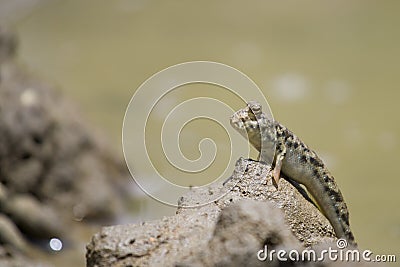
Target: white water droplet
55	244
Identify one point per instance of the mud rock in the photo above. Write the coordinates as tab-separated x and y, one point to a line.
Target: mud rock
33	217
12	258
48	152
226	232
54	168
10	235
138	244
8	44
241	230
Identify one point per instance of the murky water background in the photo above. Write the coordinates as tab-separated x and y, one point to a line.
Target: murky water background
330	71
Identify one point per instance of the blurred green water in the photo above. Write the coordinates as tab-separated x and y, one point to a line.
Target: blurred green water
330	71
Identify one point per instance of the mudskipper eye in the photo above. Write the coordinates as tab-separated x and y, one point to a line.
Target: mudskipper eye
255	107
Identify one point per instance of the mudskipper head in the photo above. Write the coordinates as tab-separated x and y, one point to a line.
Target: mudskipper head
246	123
